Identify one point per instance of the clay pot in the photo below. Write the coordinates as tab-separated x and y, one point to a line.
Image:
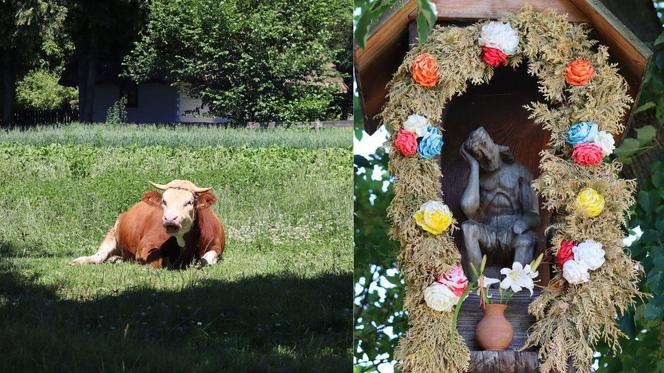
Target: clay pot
494	332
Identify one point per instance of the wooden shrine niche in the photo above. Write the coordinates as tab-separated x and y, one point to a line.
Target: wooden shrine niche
498	108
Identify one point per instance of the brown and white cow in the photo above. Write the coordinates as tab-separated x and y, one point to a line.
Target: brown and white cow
170	229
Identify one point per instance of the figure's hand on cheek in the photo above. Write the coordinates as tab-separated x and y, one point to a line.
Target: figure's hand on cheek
465	154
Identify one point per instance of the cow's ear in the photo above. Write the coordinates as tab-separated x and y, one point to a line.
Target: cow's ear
206	199
152	197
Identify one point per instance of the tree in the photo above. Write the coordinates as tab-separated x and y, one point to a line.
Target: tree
40	89
250	60
100	30
28	26
379	289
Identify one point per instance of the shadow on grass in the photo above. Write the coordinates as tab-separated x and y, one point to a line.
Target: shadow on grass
276	323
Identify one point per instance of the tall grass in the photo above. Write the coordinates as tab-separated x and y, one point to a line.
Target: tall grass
180	135
279	300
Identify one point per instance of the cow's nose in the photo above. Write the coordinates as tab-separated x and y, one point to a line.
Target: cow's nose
170	218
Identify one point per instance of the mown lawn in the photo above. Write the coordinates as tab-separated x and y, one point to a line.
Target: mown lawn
279	301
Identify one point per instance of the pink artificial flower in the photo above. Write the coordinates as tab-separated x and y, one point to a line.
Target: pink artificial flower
455	280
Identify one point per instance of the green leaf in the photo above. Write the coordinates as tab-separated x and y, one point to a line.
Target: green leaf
426	19
648	200
652	312
627	149
655	282
645	106
660	39
645	134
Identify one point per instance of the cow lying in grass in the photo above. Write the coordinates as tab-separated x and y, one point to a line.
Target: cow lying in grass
165	230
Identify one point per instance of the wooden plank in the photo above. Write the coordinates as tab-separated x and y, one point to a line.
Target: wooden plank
378	61
470	10
631	53
383	37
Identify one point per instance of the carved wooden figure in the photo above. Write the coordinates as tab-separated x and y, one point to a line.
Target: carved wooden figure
501	207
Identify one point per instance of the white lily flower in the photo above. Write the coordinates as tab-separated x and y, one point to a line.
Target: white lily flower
486	282
518	277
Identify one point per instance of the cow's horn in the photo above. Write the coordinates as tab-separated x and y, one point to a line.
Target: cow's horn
158	186
201	190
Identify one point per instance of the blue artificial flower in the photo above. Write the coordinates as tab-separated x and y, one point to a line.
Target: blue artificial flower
582	132
431	143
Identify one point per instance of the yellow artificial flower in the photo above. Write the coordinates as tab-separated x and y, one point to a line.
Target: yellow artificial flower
434	217
589	203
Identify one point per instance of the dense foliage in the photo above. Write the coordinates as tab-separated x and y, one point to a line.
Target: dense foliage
251	60
39	89
277	302
378	293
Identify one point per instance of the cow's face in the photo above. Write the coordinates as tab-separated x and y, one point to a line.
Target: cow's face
179	211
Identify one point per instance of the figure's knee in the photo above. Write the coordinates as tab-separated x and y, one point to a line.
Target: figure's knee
526	240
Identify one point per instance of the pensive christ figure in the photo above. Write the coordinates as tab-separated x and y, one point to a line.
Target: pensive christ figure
501	207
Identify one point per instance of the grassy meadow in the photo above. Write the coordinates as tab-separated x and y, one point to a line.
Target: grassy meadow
280	300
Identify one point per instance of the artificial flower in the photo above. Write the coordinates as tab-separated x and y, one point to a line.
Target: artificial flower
575	272
587	154
500	36
406	143
434	217
455	279
431	143
518	277
582	132
439	297
425	70
579	72
605	141
590	253
417	124
589	203
565	252
493	57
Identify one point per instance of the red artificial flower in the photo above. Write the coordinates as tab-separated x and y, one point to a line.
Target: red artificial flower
579	72
587	154
425	70
565	252
406	143
493	56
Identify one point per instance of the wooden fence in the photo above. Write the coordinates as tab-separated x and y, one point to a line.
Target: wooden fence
34	117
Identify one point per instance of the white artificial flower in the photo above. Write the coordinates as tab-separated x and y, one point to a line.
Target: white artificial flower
575	272
499	35
486	282
590	253
439	297
605	141
518	277
431	206
417	124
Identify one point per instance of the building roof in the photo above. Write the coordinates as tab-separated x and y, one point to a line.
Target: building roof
389	40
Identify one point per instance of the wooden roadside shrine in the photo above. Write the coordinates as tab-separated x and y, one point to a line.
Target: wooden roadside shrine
498	107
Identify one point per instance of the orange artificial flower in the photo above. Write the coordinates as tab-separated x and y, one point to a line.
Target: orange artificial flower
579	72
425	70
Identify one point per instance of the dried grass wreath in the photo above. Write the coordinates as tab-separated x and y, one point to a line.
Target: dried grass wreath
586	99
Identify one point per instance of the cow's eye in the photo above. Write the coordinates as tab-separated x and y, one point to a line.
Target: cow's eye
163	202
189	203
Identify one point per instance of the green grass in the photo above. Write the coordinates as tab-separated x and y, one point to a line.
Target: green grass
183	135
279	301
